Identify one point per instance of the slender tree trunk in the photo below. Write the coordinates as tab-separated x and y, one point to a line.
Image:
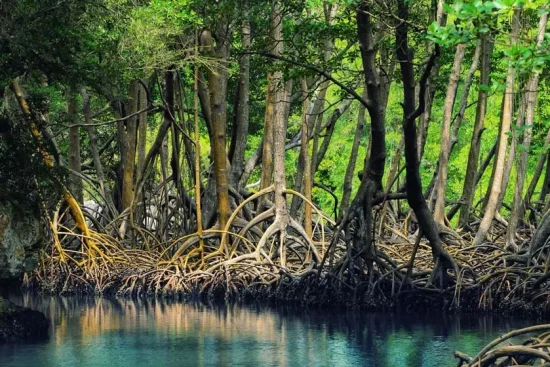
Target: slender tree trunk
415	196
426	116
352	162
331	125
317	122
478	176
500	159
238	143
536	175
545	189
438	15
521	169
76	212
445	147
276	116
217	85
461	112
468	190
520	121
267	146
75	165
306	159
142	128
374	168
329	128
119	112
465	94
492	177
130	148
96	158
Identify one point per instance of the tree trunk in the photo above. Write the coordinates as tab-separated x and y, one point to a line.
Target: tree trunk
536	175
478	176
37	134
374	169
545	189
465	93
521	169
445	147
267	142
426	116
306	159
415	196
321	150
142	128
468	190
500	158
330	126
241	121
75	166
438	15
130	148
352	162
316	123
319	103
96	158
217	85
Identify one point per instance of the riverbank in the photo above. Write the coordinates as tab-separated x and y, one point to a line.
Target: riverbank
487	279
19	324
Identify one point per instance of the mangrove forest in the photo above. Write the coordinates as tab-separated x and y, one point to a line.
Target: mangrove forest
374	155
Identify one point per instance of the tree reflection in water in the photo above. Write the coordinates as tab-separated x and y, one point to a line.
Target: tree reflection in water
137	332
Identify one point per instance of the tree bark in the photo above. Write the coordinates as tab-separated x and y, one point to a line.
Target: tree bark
438	15
500	158
521	169
241	121
329	128
217	86
465	94
415	196
75	165
445	147
477	178
352	162
142	128
373	172
130	148
96	158
536	175
468	190
545	189
306	159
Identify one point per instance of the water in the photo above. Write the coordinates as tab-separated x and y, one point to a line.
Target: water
115	332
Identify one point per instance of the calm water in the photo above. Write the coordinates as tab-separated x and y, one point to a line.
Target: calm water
114	332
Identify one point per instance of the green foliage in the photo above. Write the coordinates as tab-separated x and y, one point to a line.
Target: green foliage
160	35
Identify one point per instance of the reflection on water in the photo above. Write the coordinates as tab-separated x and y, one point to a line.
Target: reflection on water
115	332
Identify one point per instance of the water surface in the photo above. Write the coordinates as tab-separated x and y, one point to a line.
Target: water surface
119	332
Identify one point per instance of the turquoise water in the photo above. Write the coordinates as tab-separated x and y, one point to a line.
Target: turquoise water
119	332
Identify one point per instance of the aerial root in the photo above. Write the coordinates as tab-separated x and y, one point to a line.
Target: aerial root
255	256
534	350
275	254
